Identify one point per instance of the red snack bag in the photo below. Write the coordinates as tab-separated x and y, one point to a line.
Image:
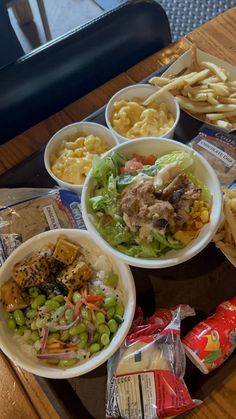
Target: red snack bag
145	377
213	340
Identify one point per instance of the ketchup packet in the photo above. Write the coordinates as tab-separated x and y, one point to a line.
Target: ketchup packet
145	376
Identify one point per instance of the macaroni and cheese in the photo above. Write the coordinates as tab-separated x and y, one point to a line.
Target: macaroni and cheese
132	120
72	161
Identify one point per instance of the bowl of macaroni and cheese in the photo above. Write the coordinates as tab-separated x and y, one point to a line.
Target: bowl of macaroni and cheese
70	152
128	118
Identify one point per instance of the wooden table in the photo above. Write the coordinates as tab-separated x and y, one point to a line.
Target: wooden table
20	394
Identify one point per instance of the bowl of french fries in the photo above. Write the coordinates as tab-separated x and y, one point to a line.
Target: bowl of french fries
129	118
225	238
204	86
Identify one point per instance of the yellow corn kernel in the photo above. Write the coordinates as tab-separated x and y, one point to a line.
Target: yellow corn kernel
204	216
198	224
195	214
184	237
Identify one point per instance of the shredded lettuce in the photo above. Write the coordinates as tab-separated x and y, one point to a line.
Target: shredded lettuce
103	169
115	233
182	158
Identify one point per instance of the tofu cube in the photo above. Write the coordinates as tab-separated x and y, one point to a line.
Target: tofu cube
65	251
11	296
31	272
75	275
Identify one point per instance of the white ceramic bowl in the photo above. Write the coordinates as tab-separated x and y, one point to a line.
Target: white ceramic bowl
202	170
143	91
30	362
86	128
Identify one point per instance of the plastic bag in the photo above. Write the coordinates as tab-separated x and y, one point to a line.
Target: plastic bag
25	212
219	148
145	376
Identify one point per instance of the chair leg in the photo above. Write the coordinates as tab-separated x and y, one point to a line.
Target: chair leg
23	12
44	19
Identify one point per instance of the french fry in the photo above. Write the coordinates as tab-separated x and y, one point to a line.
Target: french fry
226	248
204	90
224	124
215	69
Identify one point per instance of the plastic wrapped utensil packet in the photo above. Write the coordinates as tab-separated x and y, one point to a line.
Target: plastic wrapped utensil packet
219	149
145	376
26	212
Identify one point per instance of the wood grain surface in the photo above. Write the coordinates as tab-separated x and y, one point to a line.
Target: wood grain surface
20	395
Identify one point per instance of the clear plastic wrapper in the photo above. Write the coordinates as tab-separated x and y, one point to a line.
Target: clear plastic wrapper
219	149
145	376
25	212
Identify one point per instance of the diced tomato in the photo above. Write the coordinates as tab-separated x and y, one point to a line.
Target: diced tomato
94	298
151	159
145	160
132	166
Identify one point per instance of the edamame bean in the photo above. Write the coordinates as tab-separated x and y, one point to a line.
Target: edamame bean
83	340
111	279
53	337
20	330
31	313
112	325
119	309
19	317
52	305
69	315
58	314
86	313
42	321
11	324
76	297
103	328
33	325
96	337
118	319
105	340
100	318
95	347
34	336
37	345
99	292
38	301
65	335
59	298
33	291
53	361
110	312
75	330
65	363
109	302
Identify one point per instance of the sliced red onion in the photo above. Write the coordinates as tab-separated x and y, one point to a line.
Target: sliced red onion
91	329
62	327
75	340
44	338
63	355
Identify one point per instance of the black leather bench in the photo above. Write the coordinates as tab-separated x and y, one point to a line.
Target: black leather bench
46	80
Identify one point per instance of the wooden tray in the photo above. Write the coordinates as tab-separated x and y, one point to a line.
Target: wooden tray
203	282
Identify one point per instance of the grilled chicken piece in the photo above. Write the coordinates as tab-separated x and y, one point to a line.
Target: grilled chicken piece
65	251
75	275
12	298
31	272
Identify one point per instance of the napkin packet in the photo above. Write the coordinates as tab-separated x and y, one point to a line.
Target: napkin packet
26	212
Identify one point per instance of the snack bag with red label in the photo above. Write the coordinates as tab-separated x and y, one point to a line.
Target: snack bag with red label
213	340
145	376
